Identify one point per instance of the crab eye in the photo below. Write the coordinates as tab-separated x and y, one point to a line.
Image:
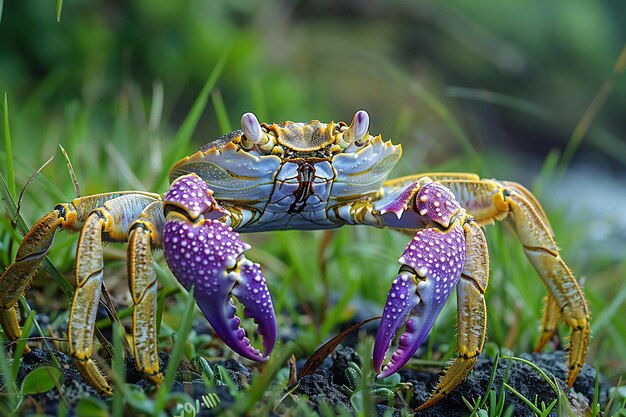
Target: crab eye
358	129
251	127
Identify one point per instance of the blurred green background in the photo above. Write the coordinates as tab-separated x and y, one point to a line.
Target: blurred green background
542	63
492	87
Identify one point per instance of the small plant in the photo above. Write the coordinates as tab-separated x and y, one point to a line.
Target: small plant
382	390
492	405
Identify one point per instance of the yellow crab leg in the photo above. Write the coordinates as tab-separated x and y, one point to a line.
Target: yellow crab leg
16	277
89	274
552	312
542	251
532	200
472	313
33	249
111	221
551	316
111	213
142	281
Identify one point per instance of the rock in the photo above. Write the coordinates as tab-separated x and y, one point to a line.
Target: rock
525	379
318	388
342	356
329	385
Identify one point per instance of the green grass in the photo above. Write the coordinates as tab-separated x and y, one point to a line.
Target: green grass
359	263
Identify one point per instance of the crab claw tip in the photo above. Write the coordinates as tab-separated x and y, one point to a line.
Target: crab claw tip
401	301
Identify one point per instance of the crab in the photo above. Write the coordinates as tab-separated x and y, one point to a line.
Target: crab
310	176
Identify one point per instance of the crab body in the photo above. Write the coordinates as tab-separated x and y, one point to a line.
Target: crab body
300	176
300	179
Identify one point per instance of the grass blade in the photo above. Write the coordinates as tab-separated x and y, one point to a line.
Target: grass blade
592	110
524	399
259	386
117	401
543	374
70	169
220	112
9	389
492	378
327	348
11	208
21	343
7	146
183	135
435	105
503	100
59	7
368	407
177	353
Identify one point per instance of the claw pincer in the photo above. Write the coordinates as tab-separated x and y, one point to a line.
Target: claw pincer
431	266
204	252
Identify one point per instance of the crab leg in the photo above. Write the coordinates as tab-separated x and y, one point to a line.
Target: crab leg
111	221
16	277
35	246
203	252
551	316
542	251
89	267
143	235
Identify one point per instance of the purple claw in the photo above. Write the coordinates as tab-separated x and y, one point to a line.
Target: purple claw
435	260
209	255
437	203
401	300
252	292
191	194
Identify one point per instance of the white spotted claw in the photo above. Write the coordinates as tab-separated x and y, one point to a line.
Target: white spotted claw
431	267
203	252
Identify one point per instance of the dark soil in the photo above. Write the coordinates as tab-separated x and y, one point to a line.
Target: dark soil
331	385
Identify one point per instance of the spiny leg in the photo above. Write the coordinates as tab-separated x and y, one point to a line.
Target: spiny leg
551	312
89	275
35	246
32	250
17	276
472	313
532	200
542	251
111	221
143	236
551	316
